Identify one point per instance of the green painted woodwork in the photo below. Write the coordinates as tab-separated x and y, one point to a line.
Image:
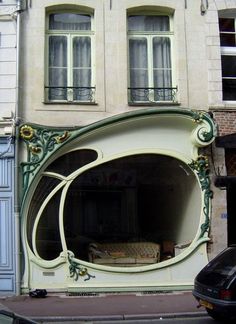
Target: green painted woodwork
201	167
43	141
76	270
40	142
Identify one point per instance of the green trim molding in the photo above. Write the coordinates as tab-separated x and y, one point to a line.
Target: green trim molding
42	141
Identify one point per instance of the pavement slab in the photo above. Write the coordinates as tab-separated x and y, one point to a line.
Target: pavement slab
112	306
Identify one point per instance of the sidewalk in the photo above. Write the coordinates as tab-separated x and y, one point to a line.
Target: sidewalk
104	306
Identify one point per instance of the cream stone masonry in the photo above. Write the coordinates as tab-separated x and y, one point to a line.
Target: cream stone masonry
111	60
7	63
196	73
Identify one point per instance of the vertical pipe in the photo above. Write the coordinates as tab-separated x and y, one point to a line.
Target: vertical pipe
186	53
16	173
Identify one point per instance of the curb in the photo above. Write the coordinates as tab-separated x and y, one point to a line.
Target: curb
124	317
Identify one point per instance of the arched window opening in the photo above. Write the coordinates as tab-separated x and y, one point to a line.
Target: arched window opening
72	161
132	211
48	241
45	186
70	72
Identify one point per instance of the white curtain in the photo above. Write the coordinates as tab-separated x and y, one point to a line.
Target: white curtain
79	73
57	67
82	67
69	21
143	73
138	62
162	67
148	23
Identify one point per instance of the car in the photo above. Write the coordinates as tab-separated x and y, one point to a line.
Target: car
7	317
215	286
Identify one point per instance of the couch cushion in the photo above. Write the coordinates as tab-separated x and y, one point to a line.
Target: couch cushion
124	253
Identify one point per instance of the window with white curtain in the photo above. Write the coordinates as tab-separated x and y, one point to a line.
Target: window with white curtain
227	27
150	63
69	46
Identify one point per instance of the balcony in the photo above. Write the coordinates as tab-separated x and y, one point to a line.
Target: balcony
152	95
70	94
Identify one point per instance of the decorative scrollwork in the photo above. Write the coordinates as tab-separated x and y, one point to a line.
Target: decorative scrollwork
76	270
201	166
40	142
206	130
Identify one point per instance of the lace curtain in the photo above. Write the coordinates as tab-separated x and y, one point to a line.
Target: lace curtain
149	55
69	57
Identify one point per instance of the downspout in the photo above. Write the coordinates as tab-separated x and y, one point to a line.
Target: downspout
16	168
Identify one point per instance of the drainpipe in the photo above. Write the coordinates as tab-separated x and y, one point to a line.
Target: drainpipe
16	168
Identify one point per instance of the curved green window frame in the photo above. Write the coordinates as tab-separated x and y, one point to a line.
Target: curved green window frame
122	202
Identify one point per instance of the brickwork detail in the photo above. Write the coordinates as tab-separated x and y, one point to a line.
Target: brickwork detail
226	121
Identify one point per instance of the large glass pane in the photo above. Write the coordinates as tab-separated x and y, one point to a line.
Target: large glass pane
162	74
69	21
161	53
81	52
227	40
229	89
229	75
227	24
124	205
228	65
45	186
138	57
57	68
72	161
138	53
82	68
148	23
48	241
227	32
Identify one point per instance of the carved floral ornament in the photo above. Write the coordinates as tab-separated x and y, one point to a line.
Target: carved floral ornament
26	132
40	143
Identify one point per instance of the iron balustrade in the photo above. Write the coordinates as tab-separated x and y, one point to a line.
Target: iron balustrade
70	94
152	95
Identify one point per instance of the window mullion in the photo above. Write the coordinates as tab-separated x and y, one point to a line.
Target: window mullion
150	67
70	68
235	30
150	62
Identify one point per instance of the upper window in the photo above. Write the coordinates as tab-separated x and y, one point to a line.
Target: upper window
228	57
69	73
150	63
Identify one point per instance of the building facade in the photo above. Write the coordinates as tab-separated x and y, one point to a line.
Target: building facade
8	99
123	185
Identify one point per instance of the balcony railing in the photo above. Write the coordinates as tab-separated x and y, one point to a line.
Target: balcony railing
70	94
152	95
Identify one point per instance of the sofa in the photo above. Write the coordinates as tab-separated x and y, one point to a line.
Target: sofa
124	254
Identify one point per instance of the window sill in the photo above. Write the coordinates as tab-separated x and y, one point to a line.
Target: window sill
81	103
151	104
225	106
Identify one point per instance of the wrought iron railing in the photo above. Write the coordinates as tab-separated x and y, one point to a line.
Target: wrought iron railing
70	94
152	95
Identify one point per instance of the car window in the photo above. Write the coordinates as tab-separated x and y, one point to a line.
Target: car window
4	319
7	317
220	269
